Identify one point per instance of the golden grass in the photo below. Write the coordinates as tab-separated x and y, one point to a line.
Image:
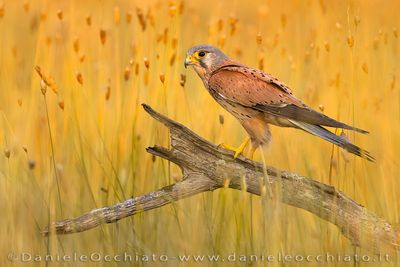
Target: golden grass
83	145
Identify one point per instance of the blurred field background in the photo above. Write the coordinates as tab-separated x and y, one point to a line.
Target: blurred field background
105	58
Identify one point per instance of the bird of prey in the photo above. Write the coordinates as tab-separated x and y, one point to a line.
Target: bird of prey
258	99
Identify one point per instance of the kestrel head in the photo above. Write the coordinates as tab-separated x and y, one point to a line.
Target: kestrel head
204	58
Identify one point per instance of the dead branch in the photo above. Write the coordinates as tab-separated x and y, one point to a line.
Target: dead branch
207	167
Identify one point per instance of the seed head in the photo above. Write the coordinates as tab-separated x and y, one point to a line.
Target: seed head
79	78
146	62
137	69
221	119
261	63
162	77
182	80
393	82
233	23
259	39
7	153
88	20
172	10
1	10
357	20
43	87
238	52
31	164
181	7
327	46
128	17
43	16
283	20
174	43
150	17
26	6
104	190
141	18
220	25
165	36
108	93
127	73
49	40
350	41
45	81
59	14
172	59
61	104
103	36
364	67
76	45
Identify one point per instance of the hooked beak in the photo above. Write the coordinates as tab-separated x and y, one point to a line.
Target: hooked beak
189	60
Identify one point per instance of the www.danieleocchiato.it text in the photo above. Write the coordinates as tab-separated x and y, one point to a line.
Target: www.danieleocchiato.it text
233	257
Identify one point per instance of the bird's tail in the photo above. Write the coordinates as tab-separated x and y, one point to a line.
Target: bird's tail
333	138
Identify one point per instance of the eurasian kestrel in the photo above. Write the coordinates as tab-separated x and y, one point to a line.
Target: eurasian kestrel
257	99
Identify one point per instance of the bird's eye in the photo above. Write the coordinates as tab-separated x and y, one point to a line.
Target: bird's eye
202	54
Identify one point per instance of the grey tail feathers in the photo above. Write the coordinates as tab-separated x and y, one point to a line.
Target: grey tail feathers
333	138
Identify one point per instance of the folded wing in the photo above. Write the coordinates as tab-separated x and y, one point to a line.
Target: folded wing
260	91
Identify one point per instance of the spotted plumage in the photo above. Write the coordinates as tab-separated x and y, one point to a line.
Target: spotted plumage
258	99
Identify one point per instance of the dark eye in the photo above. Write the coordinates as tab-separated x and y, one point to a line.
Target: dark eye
202	54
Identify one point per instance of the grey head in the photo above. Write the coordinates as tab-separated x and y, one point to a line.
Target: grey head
204	58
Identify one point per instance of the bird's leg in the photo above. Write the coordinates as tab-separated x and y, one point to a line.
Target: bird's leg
267	182
238	150
252	150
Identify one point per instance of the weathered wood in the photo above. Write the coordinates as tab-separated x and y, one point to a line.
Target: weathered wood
206	167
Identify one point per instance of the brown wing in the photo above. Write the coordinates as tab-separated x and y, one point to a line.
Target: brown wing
260	91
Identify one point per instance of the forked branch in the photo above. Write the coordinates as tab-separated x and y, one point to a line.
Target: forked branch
207	167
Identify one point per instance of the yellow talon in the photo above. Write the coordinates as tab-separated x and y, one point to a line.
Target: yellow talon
238	150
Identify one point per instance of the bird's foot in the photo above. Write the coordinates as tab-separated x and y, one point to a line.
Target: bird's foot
238	150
